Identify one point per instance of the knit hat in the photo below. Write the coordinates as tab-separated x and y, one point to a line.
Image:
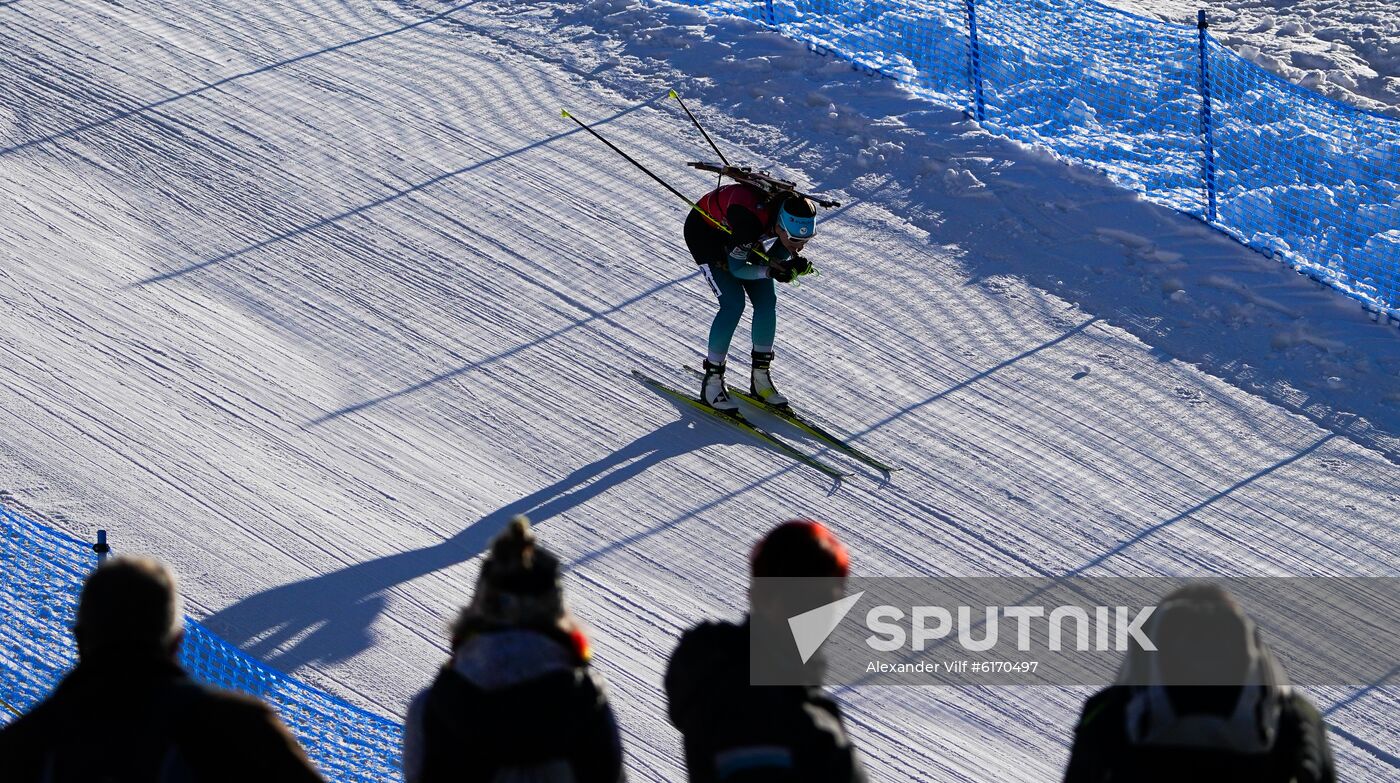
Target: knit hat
800	548
519	582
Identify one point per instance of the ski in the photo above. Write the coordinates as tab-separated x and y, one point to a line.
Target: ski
737	421
806	425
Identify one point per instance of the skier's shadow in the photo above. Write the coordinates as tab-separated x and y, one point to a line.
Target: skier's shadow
327	618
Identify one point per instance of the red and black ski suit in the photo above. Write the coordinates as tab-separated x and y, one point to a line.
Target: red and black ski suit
739	207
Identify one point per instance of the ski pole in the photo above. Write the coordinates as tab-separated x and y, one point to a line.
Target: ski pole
662	182
647	171
698	127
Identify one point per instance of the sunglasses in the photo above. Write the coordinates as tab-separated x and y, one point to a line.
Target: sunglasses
792	240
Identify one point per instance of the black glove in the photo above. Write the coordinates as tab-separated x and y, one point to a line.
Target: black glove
788	269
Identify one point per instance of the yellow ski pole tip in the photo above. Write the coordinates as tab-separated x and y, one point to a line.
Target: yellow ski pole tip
563	112
674	95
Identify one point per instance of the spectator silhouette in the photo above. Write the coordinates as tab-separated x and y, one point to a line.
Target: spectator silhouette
128	713
1210	704
518	700
738	732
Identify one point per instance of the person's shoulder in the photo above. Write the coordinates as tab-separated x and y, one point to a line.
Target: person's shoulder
708	664
1304	738
20	735
1302	720
220	719
68	697
1102	708
228	709
705	650
743	193
1300	707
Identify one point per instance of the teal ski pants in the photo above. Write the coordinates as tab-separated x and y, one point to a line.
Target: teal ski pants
732	291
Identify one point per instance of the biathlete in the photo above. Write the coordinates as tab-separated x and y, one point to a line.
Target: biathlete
731	260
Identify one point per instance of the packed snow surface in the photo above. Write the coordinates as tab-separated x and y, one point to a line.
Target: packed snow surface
1346	49
309	298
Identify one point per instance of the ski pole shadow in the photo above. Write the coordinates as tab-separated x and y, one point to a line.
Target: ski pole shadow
884	479
214	85
370	205
327	618
1358	694
1388	757
1066	579
1153	530
594	315
975	378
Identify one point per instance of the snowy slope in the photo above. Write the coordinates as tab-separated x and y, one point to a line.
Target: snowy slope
1346	49
311	298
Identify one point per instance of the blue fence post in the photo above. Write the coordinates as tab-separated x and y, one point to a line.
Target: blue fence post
974	62
101	547
1207	138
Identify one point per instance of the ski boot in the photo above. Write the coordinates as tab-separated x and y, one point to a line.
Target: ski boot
761	382
712	391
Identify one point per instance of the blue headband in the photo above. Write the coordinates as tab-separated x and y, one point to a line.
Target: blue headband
797	227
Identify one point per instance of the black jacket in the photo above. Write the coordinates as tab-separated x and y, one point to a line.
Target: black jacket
513	700
738	733
1103	752
145	721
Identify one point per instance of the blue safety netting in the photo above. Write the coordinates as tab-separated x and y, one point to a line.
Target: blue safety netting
1307	178
1106	88
41	573
1163	109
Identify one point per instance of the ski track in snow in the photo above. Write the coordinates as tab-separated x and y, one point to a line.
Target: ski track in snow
310	299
